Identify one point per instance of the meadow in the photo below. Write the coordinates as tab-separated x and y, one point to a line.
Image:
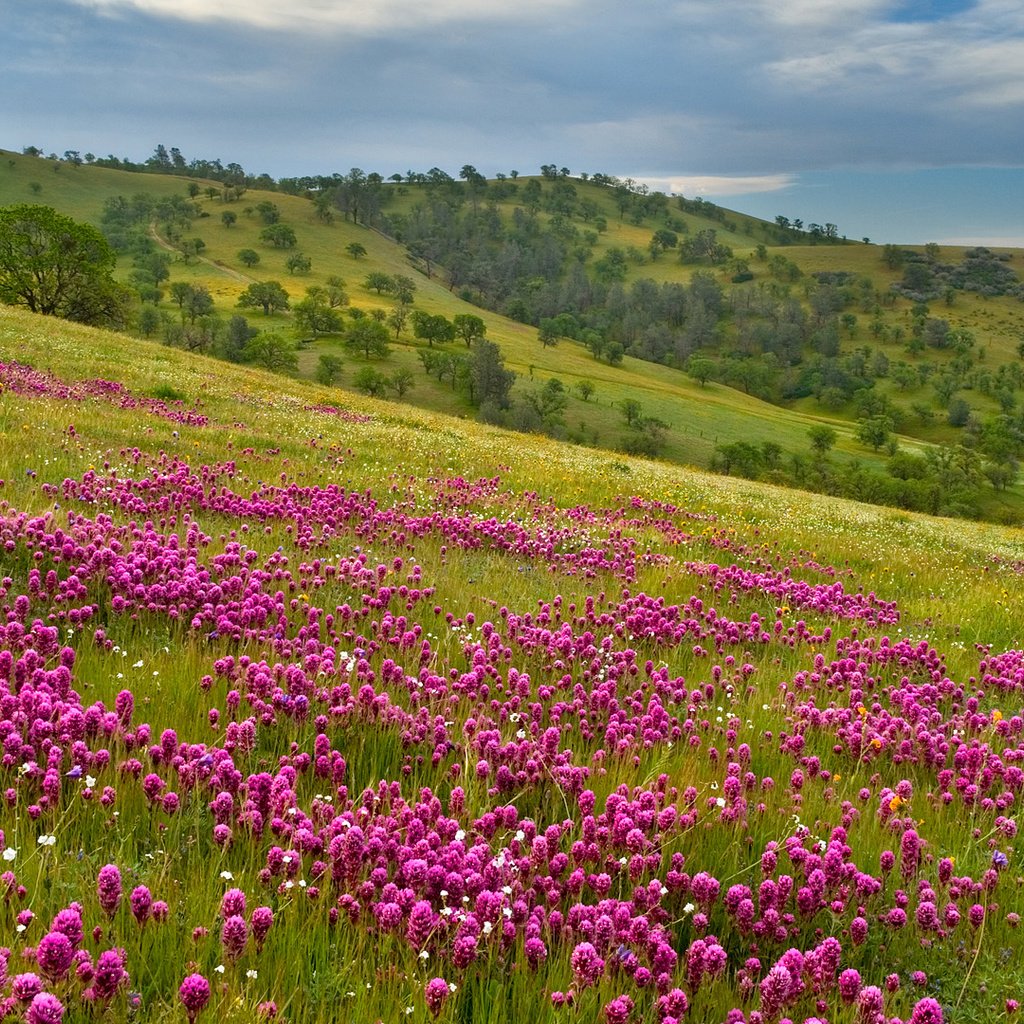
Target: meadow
314	708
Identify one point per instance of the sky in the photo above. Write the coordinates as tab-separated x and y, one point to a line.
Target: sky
897	120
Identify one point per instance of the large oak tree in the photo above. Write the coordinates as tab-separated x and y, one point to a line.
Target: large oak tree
57	266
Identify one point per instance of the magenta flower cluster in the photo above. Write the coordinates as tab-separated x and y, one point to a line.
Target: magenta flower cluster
526	849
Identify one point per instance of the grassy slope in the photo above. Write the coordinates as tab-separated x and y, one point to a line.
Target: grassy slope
254	408
951	581
699	418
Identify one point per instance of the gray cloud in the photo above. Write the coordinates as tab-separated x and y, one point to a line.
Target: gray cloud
670	89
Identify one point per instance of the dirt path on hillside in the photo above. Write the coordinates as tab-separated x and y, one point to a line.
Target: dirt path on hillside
229	271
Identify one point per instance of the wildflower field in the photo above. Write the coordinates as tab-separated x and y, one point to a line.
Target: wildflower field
346	712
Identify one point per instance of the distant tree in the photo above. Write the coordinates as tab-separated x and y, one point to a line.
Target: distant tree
823	438
958	413
875	431
328	369
266	294
250	257
356	250
549	401
489	380
280	236
379	282
268	211
228	218
400	382
272	352
701	368
336	294
198	303
313	317
469	327
431	327
191	249
298	263
547	332
149	321
238	334
368	336
585	389
631	410
404	288
54	265
371	382
397	318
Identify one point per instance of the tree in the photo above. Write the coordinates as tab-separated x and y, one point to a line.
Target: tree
272	352
268	211
356	250
489	381
547	332
371	382
149	321
56	266
280	236
198	303
267	294
431	327
469	327
298	263
250	257
228	218
823	438
631	410
875	432
401	381
701	368
379	282
404	288
397	318
237	336
313	316
585	389
328	369
368	336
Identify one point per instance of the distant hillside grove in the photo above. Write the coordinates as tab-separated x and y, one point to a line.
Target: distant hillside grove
536	249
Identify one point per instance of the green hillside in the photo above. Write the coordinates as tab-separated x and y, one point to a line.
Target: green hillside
903	380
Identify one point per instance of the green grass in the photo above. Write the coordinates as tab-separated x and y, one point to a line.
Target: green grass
956	585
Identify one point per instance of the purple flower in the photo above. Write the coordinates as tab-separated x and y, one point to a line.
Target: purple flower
234	934
25	987
232	902
141	902
262	919
849	985
618	1010
54	955
926	1011
435	994
108	889
69	921
45	1009
195	994
587	966
110	974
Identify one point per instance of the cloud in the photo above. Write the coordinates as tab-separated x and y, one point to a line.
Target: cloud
718	184
364	17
